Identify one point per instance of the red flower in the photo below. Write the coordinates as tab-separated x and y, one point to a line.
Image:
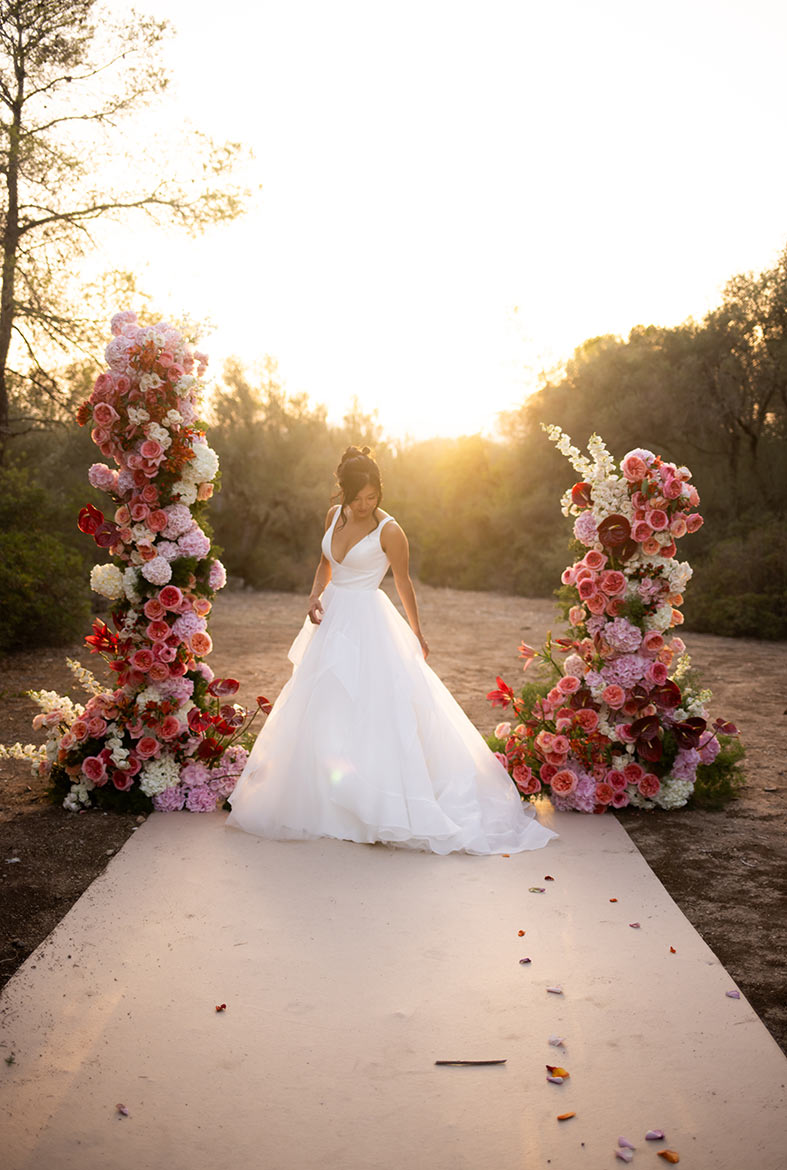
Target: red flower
223	686
502	696
264	704
614	530
90	520
102	640
581	495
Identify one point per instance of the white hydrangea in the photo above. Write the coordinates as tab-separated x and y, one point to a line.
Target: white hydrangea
204	466
79	796
151	694
159	774
130	583
186	492
660	620
673	793
107	580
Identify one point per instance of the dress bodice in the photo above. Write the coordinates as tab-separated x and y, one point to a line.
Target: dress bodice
364	565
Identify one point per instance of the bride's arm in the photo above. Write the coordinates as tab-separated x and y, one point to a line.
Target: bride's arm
396	548
321	579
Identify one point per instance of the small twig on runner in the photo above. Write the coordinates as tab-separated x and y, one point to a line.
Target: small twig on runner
470	1062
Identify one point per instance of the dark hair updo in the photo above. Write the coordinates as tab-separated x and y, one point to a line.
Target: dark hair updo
356	470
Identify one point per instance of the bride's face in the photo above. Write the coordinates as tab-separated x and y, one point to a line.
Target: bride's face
364	503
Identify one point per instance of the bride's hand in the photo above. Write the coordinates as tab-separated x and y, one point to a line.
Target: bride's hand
424	646
315	612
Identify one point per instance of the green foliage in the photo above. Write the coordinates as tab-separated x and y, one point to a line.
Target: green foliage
44	597
106	796
722	781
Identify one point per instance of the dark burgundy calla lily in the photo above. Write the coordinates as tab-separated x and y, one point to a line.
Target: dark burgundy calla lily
614	530
667	695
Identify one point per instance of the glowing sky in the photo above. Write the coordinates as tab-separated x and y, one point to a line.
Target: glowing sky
455	195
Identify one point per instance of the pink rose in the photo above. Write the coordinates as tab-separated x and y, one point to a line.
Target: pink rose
94	769
122	780
501	759
633	773
154	610
614	606
170	727
202	606
597	603
620	799
526	782
594	559
634	468
613	583
658	519
149	493
641	531
158	631
657	673
122	516
546	772
673	488
157	520
171	597
694	521
568	684
652	642
142	660
677	526
560	745
587	719
563	782
649	785
623	733
166	653
96	727
133	763
159	672
587	587
139	511
604	793
502	731
616	779
614	696
568	576
544	741
651	547
147	747
104	414
151	449
576	615
204	491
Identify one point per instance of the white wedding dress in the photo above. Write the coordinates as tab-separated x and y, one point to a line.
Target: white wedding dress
365	743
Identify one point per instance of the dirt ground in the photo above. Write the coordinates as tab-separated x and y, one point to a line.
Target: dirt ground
726	870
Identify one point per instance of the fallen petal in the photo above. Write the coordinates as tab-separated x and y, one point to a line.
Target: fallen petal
555	1080
625	1144
670	1156
557	1041
613	899
565	1116
654	1135
555	1070
505	854
537	889
524	961
521	933
672	951
733	994
555	990
548	878
625	1154
122	1109
635	925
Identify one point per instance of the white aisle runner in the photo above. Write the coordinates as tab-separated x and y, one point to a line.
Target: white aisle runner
347	970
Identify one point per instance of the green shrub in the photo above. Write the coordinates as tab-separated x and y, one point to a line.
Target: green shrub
44	597
740	588
720	782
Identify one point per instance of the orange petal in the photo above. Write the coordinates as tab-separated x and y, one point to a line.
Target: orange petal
521	933
505	854
672	951
565	1116
671	1156
613	899
556	1071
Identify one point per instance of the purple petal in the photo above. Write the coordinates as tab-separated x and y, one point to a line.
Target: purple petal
625	1144
654	1135
733	994
555	990
555	1080
625	1155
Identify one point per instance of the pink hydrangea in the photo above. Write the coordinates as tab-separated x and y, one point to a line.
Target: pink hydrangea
171	799
157	571
201	799
187	624
217	576
622	636
194	544
585	529
179	520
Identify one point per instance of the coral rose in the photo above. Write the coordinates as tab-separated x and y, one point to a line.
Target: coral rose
594	559
652	642
597	603
677	527
604	793
158	631
153	609
147	747
502	731
142	660
200	643
587	719
633	773
649	785
563	782
587	587
568	684
614	696
634	468
651	547
544	741
159	672
170	727
694	521
94	769
576	615
613	583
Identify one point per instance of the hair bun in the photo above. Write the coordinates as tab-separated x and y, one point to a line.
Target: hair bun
353	452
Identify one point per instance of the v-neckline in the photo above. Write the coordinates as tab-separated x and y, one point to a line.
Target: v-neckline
352	546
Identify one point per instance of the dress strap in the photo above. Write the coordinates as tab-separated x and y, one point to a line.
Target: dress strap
383	523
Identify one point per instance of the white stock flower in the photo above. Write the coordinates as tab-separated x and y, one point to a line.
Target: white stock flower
85	678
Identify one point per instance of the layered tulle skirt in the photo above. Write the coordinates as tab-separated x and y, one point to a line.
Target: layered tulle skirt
365	743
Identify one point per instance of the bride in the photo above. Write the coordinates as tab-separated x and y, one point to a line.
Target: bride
364	742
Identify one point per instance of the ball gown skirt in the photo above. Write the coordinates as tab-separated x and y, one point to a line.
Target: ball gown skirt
366	744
